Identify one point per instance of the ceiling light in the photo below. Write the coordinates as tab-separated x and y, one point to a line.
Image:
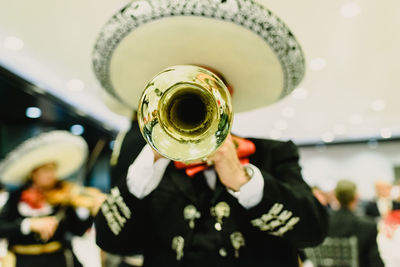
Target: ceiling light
350	10
328	137
300	93
13	43
75	85
275	134
77	129
339	129
356	119
33	112
281	125
288	112
378	105
317	63
386	133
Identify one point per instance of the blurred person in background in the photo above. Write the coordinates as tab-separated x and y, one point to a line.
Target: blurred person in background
389	233
383	203
40	217
396	191
344	223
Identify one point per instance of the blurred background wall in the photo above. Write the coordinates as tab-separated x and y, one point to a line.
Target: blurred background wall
364	163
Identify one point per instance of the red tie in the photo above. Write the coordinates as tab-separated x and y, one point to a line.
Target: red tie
244	148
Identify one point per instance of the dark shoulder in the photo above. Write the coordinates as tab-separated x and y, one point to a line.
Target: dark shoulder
367	224
338	217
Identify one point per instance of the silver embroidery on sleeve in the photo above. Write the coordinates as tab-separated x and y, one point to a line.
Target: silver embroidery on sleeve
120	202
277	221
115	211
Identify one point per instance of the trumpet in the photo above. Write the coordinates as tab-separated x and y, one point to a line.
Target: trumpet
185	113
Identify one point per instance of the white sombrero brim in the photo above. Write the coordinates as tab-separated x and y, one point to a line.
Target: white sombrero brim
68	151
251	47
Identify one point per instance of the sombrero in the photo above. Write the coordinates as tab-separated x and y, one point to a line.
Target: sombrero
68	151
241	39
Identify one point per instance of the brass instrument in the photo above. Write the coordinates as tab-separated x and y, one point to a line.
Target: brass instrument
185	113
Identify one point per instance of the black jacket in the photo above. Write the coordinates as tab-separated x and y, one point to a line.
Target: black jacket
287	218
343	223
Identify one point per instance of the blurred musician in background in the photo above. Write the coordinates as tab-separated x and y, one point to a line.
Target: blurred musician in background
344	223
41	216
383	204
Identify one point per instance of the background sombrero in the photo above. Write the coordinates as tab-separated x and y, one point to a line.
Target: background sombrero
68	151
243	40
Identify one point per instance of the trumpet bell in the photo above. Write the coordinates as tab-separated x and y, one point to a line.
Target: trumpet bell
185	113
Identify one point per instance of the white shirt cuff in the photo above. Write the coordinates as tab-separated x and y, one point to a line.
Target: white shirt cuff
25	227
251	193
144	174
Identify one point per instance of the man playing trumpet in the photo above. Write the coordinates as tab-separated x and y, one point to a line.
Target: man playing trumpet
230	206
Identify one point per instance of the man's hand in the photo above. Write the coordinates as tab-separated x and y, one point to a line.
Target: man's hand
44	226
228	167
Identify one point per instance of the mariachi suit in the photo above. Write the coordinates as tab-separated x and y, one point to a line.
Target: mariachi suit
11	218
288	217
